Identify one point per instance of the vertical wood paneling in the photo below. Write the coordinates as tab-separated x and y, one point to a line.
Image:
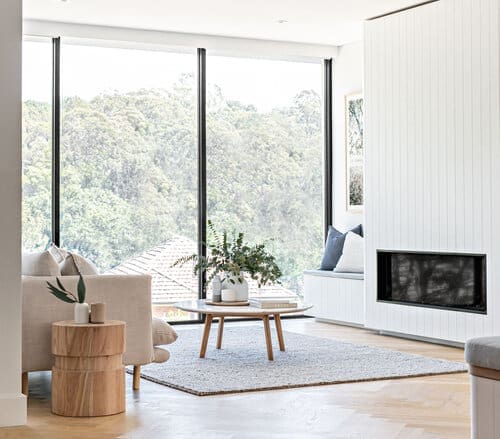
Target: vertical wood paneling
494	145
335	299
432	142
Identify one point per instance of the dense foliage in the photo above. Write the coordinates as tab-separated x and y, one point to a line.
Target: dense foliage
129	173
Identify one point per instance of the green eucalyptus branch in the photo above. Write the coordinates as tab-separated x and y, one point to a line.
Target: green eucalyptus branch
67	296
233	257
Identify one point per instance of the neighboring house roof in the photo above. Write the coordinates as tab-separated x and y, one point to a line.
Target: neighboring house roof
172	284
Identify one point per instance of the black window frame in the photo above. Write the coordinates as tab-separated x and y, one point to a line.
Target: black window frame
202	154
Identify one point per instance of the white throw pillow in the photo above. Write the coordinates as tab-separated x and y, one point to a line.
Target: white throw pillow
352	259
76	264
39	264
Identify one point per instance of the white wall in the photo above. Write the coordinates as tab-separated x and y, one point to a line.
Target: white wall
348	79
432	151
12	403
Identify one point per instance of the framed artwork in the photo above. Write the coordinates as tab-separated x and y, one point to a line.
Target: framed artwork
354	152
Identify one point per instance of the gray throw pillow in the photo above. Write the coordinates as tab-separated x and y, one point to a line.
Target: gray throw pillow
335	245
328	261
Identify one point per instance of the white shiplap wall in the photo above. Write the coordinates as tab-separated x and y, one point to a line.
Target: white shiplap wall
433	151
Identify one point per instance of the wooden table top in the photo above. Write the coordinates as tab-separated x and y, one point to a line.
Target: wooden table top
88	339
200	307
73	324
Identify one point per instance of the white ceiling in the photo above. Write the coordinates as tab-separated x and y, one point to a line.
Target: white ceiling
334	22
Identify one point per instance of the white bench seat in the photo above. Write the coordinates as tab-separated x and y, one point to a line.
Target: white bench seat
336	297
338	275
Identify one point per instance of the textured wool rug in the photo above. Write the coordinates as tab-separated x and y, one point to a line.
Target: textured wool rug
242	366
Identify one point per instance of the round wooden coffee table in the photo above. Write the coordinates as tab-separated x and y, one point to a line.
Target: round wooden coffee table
88	377
211	311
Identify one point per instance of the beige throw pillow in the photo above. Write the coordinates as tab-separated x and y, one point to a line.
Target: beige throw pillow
163	333
58	253
76	264
39	264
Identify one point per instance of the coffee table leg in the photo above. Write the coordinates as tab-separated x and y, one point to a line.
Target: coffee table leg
269	344
279	331
206	334
219	332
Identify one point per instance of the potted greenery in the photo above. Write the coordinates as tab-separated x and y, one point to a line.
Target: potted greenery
232	259
81	308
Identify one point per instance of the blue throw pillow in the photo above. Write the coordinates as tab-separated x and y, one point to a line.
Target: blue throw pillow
328	262
335	245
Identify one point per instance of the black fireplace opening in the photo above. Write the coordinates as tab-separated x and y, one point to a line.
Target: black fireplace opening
453	281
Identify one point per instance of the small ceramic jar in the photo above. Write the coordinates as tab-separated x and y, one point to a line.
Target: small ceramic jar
228	295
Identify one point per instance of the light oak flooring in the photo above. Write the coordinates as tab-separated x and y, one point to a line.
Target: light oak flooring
411	408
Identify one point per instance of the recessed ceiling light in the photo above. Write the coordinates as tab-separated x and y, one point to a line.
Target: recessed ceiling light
281	21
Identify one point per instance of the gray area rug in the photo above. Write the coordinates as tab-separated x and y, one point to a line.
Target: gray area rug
242	366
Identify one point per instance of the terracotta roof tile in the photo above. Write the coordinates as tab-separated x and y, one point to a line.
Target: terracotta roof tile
172	284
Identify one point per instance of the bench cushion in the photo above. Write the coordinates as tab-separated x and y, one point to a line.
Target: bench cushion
338	275
483	352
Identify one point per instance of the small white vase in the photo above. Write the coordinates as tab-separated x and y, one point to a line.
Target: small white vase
240	288
82	312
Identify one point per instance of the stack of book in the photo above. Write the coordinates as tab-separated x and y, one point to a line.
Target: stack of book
271	302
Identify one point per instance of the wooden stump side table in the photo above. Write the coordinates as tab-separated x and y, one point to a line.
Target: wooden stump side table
88	377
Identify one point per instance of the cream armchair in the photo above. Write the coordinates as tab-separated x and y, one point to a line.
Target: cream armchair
127	298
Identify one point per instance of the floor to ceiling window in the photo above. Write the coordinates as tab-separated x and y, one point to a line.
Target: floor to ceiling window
129	164
265	158
37	146
129	160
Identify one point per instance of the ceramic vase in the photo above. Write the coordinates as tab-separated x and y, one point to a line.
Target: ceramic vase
240	288
97	312
82	312
216	289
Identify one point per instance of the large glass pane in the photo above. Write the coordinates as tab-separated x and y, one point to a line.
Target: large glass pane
129	165
265	155
37	145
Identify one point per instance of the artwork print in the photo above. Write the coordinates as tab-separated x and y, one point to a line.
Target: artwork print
354	152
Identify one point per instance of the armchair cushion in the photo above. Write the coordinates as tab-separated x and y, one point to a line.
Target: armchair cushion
163	333
160	355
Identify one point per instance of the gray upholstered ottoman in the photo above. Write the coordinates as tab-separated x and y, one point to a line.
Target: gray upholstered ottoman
483	356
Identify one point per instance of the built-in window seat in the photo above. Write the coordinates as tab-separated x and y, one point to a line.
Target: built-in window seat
336	297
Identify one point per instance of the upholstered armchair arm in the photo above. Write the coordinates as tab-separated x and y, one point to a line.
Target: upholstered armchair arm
127	298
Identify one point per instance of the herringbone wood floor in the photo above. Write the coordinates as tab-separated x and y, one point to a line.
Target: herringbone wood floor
428	407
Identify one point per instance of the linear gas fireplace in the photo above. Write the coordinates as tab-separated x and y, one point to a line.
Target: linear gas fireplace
452	281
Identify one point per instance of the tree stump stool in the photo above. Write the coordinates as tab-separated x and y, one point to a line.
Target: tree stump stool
88	377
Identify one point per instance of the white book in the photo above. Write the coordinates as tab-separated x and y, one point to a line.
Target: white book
266	304
272	299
